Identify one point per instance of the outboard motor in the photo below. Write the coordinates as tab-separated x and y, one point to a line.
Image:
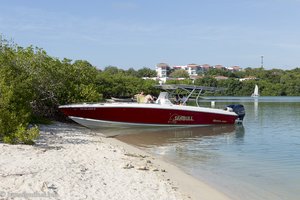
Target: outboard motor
239	110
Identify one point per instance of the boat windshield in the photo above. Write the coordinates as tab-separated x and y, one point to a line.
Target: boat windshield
163	98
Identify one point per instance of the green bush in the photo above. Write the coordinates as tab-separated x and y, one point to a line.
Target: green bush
33	85
22	135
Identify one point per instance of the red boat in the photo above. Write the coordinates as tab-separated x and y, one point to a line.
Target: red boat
160	113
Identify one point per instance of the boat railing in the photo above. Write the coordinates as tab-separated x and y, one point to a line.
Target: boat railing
189	90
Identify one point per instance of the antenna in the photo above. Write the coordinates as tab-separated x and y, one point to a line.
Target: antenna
262	61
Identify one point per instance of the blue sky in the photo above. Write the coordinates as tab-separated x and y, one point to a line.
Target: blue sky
142	33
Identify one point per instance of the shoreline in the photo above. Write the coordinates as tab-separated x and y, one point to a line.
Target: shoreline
72	162
187	184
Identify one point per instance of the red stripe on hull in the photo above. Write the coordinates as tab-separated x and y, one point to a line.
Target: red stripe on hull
149	116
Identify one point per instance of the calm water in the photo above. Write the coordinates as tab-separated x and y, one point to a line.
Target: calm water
257	161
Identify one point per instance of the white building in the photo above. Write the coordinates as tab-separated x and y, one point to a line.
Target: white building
191	69
162	70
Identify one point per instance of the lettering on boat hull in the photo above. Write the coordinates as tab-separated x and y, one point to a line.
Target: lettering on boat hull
180	118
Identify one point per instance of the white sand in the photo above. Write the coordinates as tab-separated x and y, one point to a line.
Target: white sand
72	162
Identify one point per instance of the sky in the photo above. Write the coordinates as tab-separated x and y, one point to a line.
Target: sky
142	33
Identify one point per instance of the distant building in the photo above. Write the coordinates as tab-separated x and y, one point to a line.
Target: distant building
194	77
162	70
194	70
177	67
191	69
151	78
206	67
221	67
221	78
248	78
234	68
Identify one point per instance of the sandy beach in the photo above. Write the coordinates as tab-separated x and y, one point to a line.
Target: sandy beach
72	162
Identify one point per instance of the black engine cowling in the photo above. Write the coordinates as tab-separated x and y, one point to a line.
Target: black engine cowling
239	110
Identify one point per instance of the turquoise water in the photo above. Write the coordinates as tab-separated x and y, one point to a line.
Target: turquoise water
257	161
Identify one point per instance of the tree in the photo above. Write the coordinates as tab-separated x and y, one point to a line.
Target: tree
184	81
131	72
16	94
206	81
233	86
180	73
121	85
146	72
112	70
218	72
33	85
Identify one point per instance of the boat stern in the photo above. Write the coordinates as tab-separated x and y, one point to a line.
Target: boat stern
239	110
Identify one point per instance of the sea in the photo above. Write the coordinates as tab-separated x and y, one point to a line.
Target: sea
258	160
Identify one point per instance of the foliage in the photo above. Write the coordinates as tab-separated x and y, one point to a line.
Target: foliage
180	73
112	70
131	72
122	85
16	93
146	72
22	135
207	81
217	72
33	85
184	81
274	82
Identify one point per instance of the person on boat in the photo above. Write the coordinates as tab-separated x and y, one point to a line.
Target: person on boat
140	98
177	99
182	100
149	99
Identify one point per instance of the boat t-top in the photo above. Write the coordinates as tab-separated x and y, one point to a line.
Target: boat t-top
163	112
